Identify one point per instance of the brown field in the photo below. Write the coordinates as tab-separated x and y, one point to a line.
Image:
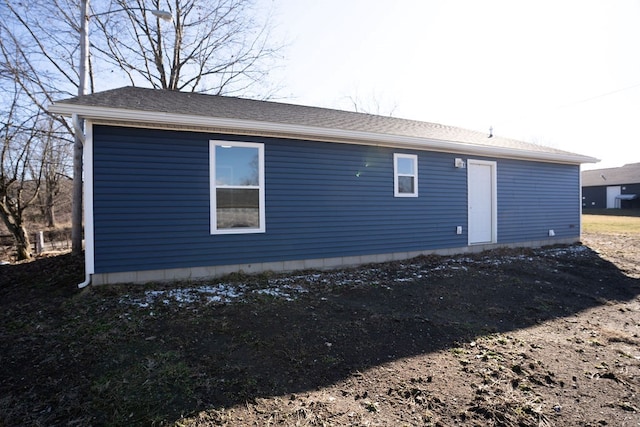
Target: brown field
547	337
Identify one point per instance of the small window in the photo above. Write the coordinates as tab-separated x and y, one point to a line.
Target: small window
405	177
237	187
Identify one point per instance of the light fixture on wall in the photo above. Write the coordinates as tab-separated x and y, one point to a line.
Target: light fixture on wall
459	163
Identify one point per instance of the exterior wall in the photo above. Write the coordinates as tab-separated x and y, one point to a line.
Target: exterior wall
631	189
596	197
534	198
324	201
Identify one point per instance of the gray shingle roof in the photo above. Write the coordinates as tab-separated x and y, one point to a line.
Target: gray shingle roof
194	104
627	174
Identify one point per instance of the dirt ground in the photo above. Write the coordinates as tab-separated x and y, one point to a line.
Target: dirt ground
547	337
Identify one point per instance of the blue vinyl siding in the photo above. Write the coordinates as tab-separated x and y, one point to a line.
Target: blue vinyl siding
151	202
535	197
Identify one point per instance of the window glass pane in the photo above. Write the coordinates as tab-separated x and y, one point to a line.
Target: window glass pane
405	166
237	187
237	208
236	165
405	184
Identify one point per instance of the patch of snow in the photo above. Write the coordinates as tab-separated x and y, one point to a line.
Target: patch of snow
220	293
290	287
208	294
569	250
285	292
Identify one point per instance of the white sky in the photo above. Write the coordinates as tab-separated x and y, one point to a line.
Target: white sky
561	73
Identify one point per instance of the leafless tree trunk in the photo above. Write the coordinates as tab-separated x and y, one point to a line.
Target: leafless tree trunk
49	207
19	186
19	233
55	155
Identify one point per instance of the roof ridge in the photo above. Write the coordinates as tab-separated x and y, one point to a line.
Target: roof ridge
305	106
248	111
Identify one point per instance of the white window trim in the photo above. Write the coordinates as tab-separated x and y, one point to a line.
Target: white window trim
396	175
212	187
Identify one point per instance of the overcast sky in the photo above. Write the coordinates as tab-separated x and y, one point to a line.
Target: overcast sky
561	73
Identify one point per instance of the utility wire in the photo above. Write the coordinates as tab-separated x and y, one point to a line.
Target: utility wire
571	104
599	96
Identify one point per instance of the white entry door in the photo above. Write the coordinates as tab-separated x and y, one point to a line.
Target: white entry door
612	193
481	184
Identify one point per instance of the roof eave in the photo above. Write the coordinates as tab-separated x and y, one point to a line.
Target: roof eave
253	127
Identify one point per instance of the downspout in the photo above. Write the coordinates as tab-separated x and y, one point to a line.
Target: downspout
80	142
78	128
87	281
79	133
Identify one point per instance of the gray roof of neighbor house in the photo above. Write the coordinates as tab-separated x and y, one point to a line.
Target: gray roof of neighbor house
153	107
627	174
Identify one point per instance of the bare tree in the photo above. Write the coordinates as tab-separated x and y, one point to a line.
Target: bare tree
31	79
54	154
19	185
371	105
215	46
35	49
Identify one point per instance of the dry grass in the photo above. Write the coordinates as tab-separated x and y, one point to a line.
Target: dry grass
613	223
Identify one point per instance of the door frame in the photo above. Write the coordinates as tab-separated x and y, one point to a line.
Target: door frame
494	200
612	192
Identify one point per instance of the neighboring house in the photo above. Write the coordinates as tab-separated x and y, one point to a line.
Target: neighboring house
612	188
182	185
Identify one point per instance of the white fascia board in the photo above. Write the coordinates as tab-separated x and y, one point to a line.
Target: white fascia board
316	133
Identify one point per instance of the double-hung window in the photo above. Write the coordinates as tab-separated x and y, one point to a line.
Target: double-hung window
237	187
405	175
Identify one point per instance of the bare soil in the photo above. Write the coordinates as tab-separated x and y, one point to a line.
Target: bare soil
547	337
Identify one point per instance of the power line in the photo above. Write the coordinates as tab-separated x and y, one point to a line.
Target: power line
548	112
600	96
